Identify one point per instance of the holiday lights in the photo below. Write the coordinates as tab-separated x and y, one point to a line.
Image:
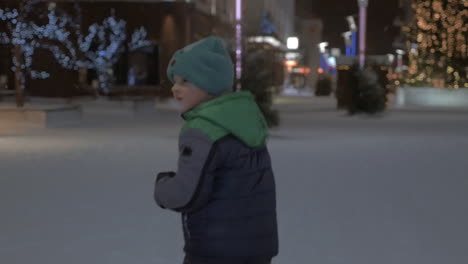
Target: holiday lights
99	49
438	37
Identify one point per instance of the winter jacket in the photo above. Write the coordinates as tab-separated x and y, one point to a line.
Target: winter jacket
224	186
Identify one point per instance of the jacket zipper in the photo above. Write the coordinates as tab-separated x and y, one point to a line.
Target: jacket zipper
185	224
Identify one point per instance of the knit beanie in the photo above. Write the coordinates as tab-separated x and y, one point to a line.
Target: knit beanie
206	64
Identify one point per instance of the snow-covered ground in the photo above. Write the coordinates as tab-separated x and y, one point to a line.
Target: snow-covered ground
351	190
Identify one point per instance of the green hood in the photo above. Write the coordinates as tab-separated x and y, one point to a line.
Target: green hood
235	113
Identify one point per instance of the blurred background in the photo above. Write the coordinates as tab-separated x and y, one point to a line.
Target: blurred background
67	49
367	102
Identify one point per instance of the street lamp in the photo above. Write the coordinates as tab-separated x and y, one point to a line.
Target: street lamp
400	54
291	61
362	31
390	58
323	57
238	43
293	43
351	23
323	47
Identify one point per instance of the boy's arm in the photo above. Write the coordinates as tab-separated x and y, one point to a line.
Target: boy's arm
190	187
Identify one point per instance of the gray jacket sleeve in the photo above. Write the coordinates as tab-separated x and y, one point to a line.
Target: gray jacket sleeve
190	187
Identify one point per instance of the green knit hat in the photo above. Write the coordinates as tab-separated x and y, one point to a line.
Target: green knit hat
206	64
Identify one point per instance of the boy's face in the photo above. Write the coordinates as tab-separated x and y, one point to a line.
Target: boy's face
187	94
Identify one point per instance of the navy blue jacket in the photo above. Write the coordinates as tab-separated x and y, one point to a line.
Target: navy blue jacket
224	185
239	217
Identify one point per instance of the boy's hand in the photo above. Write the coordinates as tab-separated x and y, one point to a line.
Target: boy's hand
162	175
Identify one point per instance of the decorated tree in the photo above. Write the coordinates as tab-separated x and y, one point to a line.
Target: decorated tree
39	24
102	48
24	35
139	40
437	40
97	49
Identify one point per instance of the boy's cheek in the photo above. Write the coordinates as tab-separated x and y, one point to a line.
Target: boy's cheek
188	103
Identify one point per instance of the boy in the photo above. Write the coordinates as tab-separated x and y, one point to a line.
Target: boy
224	185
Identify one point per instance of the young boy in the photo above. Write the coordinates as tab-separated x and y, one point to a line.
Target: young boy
224	185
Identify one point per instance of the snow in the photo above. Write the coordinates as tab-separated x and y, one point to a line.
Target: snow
350	189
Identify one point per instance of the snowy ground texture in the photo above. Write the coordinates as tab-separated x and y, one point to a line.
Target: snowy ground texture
351	190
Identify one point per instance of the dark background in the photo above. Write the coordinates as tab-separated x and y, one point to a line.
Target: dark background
380	30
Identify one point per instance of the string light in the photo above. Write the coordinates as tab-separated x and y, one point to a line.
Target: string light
22	33
139	40
99	49
439	33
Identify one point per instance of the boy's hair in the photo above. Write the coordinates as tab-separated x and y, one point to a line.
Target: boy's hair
206	64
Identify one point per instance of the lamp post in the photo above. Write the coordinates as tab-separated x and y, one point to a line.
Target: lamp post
362	31
238	44
292	44
400	54
323	57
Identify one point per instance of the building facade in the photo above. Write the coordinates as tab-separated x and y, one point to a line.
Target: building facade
267	25
170	25
310	34
269	17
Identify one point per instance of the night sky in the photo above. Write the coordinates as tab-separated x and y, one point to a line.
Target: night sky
381	14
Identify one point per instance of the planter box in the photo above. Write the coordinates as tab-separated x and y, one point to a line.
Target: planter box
39	116
431	97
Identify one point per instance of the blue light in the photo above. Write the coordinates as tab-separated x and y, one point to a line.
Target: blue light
267	26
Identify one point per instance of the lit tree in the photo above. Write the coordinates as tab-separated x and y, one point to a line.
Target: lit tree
24	35
61	41
437	40
102	48
99	49
61	34
139	40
